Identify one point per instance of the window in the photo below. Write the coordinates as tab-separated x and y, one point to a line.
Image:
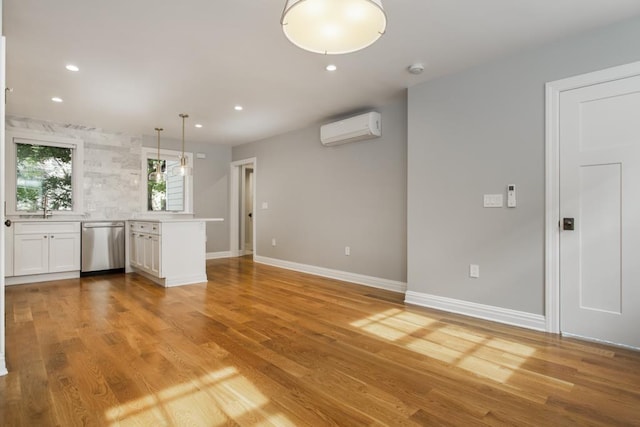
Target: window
174	194
44	173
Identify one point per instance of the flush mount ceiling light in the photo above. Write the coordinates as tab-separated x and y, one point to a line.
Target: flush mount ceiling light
331	67
72	67
238	108
333	26
56	99
157	175
184	169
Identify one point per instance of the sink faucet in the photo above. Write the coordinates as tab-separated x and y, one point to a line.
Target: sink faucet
45	213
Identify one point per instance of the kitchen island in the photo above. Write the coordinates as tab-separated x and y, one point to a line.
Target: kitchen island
170	252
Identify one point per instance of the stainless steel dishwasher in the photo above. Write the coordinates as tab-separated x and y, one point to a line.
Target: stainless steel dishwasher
102	247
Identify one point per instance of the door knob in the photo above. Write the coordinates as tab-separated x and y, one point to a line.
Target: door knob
250	214
568	223
8	223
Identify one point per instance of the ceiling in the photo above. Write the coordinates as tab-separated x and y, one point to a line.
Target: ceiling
144	61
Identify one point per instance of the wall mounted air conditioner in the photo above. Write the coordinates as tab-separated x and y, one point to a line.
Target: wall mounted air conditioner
364	126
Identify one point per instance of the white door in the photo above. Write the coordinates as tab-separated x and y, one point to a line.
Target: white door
600	190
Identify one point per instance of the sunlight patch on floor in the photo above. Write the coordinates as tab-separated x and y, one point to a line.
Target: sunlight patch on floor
492	358
391	324
210	400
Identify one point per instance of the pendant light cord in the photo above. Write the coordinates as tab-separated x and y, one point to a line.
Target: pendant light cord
184	116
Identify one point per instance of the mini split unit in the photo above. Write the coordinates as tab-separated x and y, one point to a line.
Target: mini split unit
357	128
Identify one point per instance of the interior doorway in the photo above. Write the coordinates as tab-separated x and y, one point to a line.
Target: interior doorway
243	200
592	216
246	211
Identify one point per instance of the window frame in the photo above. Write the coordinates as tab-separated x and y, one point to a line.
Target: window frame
149	153
77	169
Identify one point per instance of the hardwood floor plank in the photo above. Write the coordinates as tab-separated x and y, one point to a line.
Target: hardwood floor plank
258	345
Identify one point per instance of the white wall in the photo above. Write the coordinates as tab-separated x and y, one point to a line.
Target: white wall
473	133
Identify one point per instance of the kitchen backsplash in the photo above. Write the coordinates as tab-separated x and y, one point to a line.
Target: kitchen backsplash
112	166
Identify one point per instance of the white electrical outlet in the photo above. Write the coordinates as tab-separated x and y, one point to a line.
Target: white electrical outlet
347	250
474	270
273	241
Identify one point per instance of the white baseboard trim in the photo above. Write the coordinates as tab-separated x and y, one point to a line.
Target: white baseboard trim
360	279
3	367
217	255
35	278
487	312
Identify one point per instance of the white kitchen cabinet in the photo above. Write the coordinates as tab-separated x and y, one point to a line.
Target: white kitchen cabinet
169	252
31	254
46	247
144	249
64	252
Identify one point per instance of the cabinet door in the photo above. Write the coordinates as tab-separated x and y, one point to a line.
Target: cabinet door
139	250
147	262
8	251
133	250
31	254
155	256
64	252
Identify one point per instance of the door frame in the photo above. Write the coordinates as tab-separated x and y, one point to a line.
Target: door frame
552	178
236	168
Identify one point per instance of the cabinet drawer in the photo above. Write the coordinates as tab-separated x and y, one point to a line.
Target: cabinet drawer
46	227
145	227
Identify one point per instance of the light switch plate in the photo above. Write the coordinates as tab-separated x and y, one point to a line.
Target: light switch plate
493	201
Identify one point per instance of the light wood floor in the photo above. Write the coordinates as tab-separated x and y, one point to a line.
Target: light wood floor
258	345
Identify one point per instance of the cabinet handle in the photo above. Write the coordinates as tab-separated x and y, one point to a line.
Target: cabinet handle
149	237
45	237
52	237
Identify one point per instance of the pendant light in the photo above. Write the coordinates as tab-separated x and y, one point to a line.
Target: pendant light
157	175
184	169
333	26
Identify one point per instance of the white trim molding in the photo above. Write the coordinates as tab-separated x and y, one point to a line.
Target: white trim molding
345	276
482	311
552	178
36	278
218	255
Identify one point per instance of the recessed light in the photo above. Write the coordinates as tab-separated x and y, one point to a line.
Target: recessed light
331	67
238	108
56	99
198	125
72	67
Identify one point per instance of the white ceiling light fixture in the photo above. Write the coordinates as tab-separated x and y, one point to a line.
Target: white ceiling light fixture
238	108
56	99
197	125
157	175
72	67
184	169
333	26
331	67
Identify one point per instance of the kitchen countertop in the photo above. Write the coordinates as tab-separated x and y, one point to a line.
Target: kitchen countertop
116	220
176	219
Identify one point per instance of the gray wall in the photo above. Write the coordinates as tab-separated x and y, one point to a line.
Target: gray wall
210	186
322	199
473	133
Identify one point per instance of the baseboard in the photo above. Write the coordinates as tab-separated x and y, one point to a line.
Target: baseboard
487	312
35	278
217	255
360	279
3	367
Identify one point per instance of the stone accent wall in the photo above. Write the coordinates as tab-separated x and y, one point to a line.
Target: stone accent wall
112	166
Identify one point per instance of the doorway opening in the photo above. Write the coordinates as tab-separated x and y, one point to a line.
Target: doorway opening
243	200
